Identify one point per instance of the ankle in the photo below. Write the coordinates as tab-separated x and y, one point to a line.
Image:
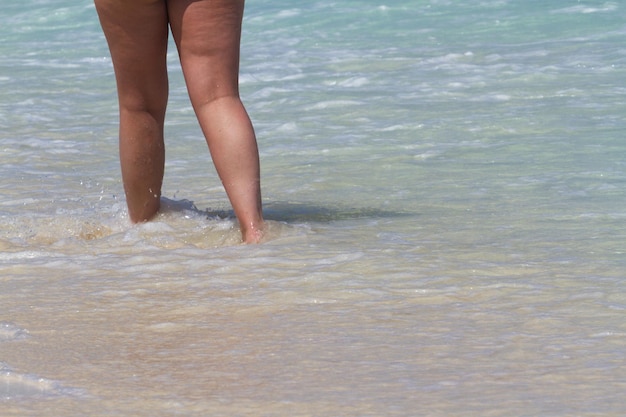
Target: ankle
253	233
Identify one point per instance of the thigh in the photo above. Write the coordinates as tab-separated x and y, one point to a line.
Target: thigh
136	31
207	34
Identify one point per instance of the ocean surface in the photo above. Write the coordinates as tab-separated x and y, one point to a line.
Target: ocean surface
445	184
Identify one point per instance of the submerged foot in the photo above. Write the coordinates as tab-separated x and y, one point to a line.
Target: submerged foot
253	234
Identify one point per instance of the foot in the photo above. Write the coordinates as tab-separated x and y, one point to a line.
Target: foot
253	234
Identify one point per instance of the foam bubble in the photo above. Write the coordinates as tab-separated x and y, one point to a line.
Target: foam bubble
9	331
15	385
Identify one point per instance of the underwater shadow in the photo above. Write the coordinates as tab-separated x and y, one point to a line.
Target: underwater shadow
289	212
307	212
180	206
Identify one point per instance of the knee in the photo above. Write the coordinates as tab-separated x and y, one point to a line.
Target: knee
140	104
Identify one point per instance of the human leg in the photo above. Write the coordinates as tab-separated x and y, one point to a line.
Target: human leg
207	34
136	32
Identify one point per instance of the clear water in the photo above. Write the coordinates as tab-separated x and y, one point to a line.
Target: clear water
446	189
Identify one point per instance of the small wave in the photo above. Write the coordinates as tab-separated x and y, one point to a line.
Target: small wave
607	7
289	13
354	82
332	104
179	224
47	231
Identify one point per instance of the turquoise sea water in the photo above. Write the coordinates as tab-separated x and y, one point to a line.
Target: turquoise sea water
446	188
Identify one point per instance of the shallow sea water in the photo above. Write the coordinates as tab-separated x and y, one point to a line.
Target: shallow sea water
445	189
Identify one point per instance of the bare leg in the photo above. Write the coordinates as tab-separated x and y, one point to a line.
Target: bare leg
207	34
136	31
